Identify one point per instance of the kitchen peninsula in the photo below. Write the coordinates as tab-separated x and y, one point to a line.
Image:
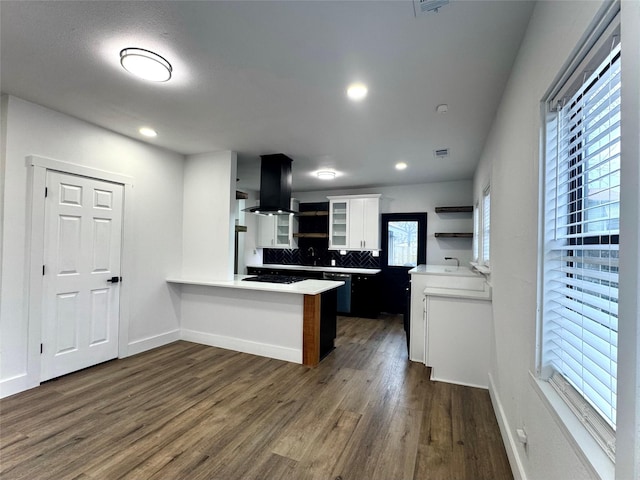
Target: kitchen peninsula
293	322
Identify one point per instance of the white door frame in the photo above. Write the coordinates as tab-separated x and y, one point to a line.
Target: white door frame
37	167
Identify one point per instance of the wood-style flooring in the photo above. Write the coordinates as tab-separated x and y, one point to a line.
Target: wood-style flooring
188	411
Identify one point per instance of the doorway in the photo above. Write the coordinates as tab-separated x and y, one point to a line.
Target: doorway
404	246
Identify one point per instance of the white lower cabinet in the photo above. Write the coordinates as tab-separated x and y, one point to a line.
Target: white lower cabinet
354	222
451	324
457	339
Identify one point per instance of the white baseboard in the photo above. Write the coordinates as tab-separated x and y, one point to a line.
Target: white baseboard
435	378
13	385
507	438
150	343
231	343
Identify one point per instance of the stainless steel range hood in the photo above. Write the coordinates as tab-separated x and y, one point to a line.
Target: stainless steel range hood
275	186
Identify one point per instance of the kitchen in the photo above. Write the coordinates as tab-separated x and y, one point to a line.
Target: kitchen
163	208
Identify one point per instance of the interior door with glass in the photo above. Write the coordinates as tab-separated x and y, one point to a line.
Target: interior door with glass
404	246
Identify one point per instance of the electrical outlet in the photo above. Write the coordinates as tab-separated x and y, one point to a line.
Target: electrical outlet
522	436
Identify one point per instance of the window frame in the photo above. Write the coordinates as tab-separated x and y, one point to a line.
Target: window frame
590	419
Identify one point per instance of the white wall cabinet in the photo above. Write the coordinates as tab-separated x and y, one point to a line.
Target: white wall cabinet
277	231
354	222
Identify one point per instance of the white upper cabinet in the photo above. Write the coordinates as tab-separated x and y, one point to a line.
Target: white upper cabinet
354	222
276	231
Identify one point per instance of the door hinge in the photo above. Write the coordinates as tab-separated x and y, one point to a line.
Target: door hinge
42	269
41	349
46	192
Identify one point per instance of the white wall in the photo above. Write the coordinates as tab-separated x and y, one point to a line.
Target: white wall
209	212
510	161
156	237
423	198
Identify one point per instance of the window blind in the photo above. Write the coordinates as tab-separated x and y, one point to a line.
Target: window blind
581	234
486	225
476	232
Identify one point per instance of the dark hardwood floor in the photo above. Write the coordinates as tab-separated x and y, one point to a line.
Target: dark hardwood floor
188	411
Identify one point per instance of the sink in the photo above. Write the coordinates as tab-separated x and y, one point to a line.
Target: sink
455	282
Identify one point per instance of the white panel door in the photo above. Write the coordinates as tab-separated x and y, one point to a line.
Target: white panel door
83	234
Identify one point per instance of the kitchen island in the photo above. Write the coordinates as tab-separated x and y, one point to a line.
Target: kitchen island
293	322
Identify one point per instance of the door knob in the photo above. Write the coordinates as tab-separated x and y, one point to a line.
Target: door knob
114	279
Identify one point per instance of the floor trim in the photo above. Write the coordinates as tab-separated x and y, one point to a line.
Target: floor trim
150	343
507	438
231	343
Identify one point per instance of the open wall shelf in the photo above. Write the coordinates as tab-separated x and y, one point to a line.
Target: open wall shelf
454	235
464	209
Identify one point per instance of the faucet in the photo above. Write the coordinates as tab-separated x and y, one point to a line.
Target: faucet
453	258
312	253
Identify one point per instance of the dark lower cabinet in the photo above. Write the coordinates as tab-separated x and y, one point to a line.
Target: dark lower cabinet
365	295
365	289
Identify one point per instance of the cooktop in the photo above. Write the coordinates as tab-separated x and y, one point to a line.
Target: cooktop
274	279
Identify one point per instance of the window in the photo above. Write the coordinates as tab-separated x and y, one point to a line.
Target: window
402	247
581	237
476	232
486	225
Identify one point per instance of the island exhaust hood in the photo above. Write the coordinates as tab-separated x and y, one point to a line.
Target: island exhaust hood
275	186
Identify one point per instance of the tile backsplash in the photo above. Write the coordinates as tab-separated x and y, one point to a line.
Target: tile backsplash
300	256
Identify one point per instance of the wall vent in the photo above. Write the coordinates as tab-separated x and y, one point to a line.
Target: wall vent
422	7
441	153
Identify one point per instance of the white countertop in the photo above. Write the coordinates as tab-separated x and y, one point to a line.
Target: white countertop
305	287
443	270
365	271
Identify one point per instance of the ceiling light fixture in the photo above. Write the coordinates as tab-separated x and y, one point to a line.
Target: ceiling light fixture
326	175
148	132
145	64
442	108
357	91
401	166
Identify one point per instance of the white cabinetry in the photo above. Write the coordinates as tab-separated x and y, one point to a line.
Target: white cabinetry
354	222
450	329
276	231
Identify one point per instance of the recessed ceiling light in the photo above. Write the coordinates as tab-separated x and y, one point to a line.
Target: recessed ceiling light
145	64
442	108
148	132
326	174
357	91
401	166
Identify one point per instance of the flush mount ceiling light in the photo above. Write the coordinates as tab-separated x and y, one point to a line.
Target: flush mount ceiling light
442	108
148	132
357	91
326	175
145	64
401	166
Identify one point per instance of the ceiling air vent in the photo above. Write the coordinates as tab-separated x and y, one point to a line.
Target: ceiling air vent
441	153
422	7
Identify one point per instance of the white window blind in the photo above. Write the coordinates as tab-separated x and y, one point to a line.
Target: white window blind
581	237
476	232
486	225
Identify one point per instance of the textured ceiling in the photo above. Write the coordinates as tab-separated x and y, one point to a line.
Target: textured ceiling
266	77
